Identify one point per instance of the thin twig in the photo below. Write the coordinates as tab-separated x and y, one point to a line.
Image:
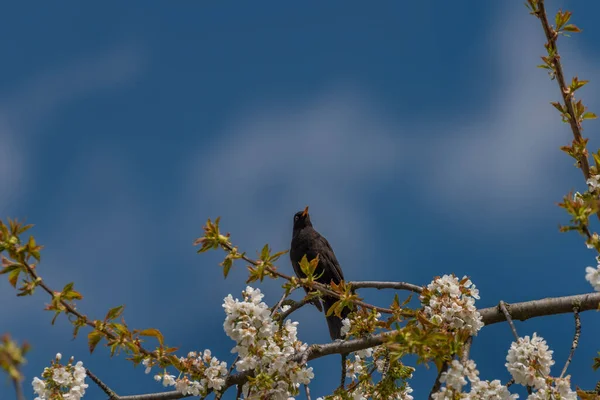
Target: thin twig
111	394
438	384
566	92
466	350
386	365
307	391
502	306
551	37
18	383
295	306
276	307
315	285
70	309
575	340
343	377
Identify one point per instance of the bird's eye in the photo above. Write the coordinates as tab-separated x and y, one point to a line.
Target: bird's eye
296	218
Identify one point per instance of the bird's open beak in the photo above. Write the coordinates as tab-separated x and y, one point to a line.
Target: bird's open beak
305	213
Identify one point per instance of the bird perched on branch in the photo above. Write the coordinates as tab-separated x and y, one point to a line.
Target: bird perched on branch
307	241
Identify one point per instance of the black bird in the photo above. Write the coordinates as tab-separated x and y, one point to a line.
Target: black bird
307	241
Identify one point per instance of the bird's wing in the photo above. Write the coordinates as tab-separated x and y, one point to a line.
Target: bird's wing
329	257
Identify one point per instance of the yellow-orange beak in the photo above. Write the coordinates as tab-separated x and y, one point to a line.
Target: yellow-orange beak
305	213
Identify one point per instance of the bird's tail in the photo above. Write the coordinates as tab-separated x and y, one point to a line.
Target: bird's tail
333	321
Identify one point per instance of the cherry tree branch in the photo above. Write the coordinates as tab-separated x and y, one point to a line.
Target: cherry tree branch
491	315
386	285
109	392
551	37
539	308
315	285
70	309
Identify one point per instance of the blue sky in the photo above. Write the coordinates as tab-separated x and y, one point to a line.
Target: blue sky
419	133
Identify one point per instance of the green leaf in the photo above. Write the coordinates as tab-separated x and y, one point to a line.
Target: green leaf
56	314
264	254
276	256
13	277
154	333
114	313
10	268
589	115
558	106
571	28
227	264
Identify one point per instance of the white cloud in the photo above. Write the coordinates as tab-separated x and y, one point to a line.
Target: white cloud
21	113
329	153
506	154
26	107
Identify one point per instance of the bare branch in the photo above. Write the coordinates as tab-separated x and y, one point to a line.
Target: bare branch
575	340
466	350
18	388
295	306
386	285
437	384
539	308
502	306
173	395
111	394
307	390
343	377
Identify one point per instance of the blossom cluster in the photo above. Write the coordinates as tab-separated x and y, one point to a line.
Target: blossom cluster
265	347
529	361
61	381
450	303
210	374
455	379
558	388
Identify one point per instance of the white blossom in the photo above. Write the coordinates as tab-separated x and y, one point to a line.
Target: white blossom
455	379
529	361
592	275
593	182
67	381
452	302
494	390
345	327
168	380
146	363
559	389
